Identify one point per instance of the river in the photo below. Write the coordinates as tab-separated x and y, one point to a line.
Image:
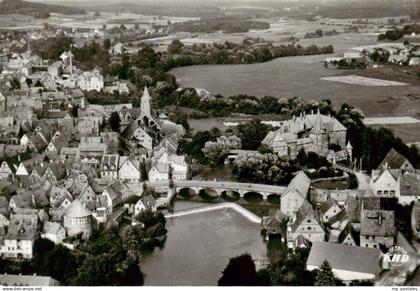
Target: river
198	247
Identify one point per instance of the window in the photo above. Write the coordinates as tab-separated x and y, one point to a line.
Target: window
308	221
309	228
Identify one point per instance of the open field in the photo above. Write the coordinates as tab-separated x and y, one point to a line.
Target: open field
87	21
363	81
300	76
408	133
390	120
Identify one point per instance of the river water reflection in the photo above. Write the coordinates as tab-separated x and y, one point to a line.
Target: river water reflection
199	246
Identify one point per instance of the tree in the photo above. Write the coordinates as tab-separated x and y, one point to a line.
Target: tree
107	43
252	134
218	150
325	275
114	121
146	58
240	271
175	47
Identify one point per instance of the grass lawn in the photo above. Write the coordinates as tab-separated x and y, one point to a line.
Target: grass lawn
332	184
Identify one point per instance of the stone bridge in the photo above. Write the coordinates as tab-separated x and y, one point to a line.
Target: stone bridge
218	188
344	168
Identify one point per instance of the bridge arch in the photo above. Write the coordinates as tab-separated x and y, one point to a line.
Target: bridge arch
187	192
209	193
274	198
253	197
230	195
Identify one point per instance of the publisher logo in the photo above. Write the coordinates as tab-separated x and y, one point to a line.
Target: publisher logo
397	256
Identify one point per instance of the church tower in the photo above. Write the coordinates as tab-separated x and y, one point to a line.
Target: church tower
146	116
145	108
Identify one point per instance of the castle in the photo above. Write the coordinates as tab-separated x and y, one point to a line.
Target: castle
312	133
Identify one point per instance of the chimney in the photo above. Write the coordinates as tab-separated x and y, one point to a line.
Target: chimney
380	218
33	200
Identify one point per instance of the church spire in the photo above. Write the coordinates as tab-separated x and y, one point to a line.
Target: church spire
145	105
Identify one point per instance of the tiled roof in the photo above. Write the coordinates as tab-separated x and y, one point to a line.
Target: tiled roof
393	159
378	223
76	209
22	226
344	257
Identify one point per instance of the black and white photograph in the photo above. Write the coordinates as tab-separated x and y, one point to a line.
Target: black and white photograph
206	143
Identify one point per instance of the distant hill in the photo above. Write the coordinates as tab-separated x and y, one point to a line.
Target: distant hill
37	10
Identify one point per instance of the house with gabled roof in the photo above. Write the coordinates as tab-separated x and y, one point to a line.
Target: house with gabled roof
295	194
159	172
129	169
20	236
136	135
329	209
109	166
349	237
385	182
145	203
377	228
55	145
396	161
114	196
307	223
54	232
88	198
59	197
6	171
273	224
409	188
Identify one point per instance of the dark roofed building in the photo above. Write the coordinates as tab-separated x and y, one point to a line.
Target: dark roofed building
273	223
20	236
348	262
377	228
395	160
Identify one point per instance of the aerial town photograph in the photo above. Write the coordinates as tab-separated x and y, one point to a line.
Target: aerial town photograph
210	143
